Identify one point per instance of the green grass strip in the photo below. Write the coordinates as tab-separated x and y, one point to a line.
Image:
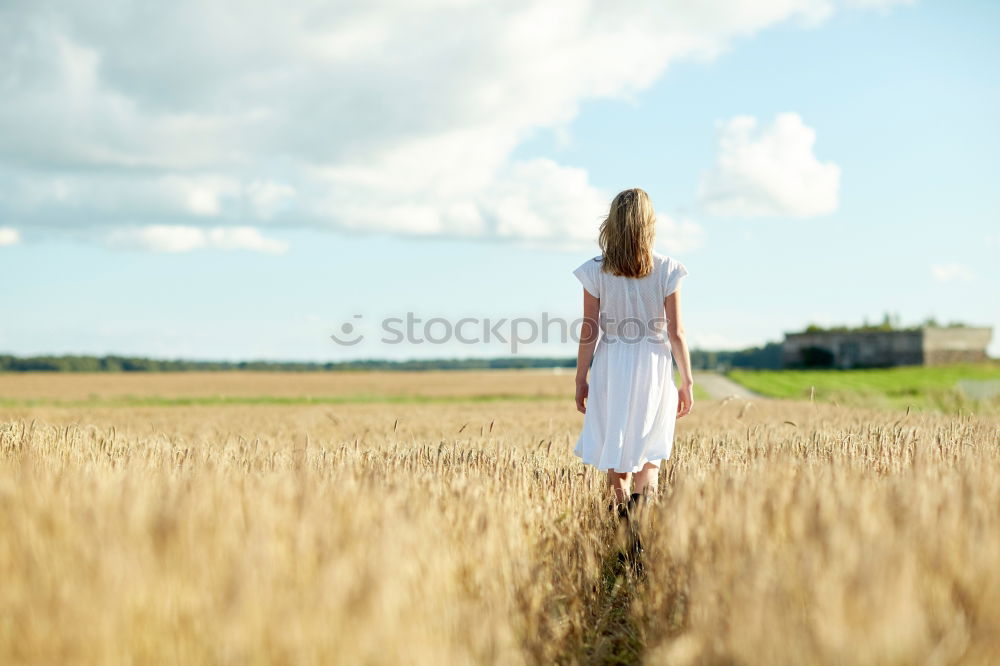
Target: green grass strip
933	386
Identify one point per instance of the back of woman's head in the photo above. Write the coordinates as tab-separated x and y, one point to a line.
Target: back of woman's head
627	234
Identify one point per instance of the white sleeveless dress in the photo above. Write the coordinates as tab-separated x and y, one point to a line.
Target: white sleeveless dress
632	400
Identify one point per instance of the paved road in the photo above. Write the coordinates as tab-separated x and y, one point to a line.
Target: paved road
982	389
719	386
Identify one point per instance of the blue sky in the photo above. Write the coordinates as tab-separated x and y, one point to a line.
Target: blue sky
825	165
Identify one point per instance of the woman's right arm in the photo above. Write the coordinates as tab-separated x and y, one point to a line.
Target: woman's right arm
589	335
679	351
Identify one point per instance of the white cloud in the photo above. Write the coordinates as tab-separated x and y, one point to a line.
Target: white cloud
268	198
395	116
181	238
881	5
244	238
540	200
201	197
678	236
769	172
950	272
9	236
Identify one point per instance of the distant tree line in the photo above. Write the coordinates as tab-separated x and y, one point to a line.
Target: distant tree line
768	356
890	322
10	363
765	357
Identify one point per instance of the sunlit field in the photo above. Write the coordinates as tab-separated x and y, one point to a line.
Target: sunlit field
441	518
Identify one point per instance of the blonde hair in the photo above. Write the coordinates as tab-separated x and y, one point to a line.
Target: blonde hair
627	234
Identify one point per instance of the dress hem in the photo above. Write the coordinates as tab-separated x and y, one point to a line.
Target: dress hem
637	468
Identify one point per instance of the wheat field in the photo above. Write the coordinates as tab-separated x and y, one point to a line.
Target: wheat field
460	529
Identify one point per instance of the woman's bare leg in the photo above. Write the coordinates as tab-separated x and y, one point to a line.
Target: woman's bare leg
647	478
619	483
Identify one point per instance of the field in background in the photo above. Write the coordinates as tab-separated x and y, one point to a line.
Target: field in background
451	528
171	389
895	388
123	389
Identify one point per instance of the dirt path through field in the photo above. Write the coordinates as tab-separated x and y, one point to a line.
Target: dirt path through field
615	636
719	386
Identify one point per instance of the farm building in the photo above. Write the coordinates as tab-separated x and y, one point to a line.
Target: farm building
924	345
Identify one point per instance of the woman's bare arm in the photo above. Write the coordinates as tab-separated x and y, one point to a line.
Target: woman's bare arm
679	350
588	342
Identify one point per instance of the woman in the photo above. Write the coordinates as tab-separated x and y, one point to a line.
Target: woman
631	310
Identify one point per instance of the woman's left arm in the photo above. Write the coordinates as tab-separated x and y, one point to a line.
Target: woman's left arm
589	334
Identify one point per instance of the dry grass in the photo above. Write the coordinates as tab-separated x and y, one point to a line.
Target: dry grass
293	535
846	538
789	533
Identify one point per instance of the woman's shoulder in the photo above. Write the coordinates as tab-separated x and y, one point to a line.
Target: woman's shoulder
666	266
660	259
591	266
